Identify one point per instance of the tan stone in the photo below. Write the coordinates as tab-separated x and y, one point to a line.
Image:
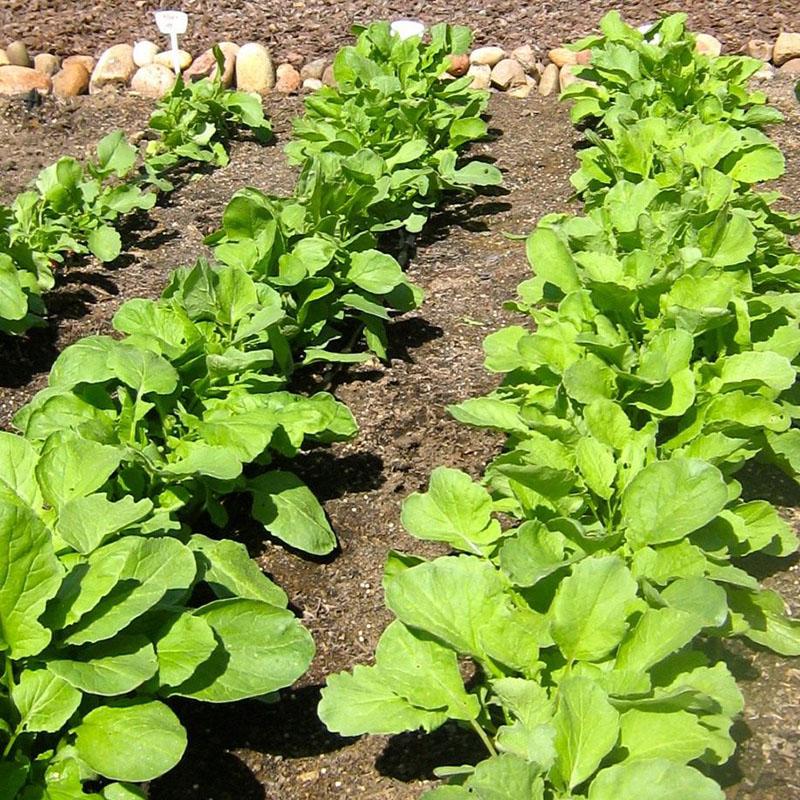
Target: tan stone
254	69
567	76
17	54
707	44
487	56
114	68
153	80
526	56
459	64
205	66
312	84
314	69
328	78
294	58
560	56
583	57
766	73
790	67
21	80
3	58
549	80
759	48
507	74
47	63
165	59
481	76
144	52
87	62
71	81
287	79
787	46
520	92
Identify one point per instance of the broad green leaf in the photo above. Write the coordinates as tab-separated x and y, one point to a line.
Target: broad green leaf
30	574
551	260
113	667
653	779
674	735
184	643
608	423
506	777
44	701
597	465
454	510
289	511
362	702
451	598
132	740
153	567
587	727
105	243
17	464
532	553
658	633
669	499
261	649
487	412
374	271
85	523
590	610
144	371
199	458
423	672
62	472
230	572
86	361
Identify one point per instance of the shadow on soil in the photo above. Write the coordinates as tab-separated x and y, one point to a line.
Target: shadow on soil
289	728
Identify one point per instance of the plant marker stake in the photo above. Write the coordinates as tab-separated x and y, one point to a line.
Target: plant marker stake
172	23
406	28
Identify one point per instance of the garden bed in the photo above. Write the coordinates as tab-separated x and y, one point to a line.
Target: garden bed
468	268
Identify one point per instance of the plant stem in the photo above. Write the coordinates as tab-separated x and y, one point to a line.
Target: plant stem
484	738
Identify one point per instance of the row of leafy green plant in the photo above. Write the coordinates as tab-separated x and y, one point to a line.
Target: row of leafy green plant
110	600
576	627
73	207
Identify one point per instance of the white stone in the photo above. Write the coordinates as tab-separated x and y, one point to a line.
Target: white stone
144	52
486	56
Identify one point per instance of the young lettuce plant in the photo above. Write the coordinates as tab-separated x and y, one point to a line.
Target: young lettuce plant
100	626
391	101
186	401
660	73
580	676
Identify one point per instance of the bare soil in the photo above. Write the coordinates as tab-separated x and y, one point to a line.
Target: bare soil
468	267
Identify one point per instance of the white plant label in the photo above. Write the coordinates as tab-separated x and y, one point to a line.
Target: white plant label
173	23
406	28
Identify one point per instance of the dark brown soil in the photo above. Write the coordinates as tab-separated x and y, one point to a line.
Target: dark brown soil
316	28
467	266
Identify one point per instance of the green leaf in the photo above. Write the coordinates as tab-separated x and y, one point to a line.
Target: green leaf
17	464
424	672
551	259
182	645
261	649
151	567
658	633
653	779
143	370
608	423
590	610
44	701
113	667
374	271
674	735
288	510
454	510
85	523
230	572
30	575
105	243
362	702
132	740
533	553
505	777
452	598
669	499
587	727
597	465
62	472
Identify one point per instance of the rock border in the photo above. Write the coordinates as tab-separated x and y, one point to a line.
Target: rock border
147	70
